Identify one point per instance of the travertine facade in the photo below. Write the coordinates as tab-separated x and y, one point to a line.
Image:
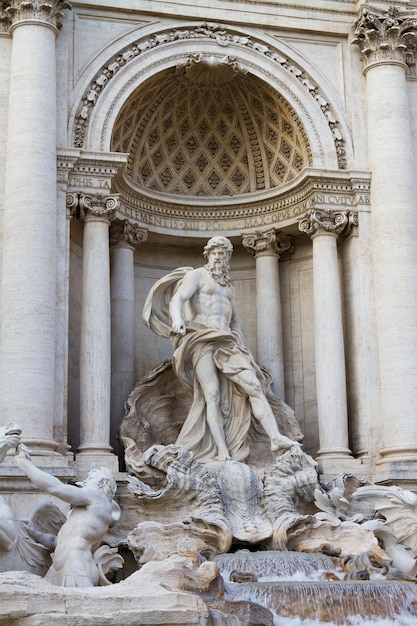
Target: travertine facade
133	132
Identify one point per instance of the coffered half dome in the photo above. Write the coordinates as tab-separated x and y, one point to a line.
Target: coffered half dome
207	129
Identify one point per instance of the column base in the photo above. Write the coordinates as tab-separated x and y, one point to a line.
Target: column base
399	468
331	465
41	446
87	458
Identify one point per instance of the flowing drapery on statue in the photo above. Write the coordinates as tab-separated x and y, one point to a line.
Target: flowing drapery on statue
195	309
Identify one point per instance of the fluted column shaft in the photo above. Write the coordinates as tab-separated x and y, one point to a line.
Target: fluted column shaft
123	239
394	223
27	354
267	247
324	227
95	354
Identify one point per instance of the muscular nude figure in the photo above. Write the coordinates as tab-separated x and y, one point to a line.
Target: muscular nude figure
93	512
210	296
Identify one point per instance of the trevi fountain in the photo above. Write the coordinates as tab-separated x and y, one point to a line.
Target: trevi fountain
223	520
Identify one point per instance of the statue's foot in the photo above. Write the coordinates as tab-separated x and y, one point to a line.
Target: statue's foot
282	443
223	455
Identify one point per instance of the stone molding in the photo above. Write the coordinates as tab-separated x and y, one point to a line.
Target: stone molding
223	36
390	37
123	232
48	12
267	243
315	188
316	222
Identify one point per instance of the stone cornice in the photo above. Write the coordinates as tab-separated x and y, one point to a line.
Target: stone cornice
223	36
390	37
313	189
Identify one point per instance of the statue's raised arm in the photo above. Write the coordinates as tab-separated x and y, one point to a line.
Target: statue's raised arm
93	511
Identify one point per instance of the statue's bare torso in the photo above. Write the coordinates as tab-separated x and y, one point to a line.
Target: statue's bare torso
211	303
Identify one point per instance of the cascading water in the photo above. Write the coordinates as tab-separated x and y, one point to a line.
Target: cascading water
298	589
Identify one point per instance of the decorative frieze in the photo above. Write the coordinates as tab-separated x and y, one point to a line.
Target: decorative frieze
268	242
318	189
388	37
336	222
122	231
48	12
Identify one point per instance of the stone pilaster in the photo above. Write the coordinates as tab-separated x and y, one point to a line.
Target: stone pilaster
124	237
95	353
324	227
267	247
28	317
387	42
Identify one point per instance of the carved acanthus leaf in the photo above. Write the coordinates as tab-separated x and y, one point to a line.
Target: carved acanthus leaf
5	20
45	11
388	37
123	231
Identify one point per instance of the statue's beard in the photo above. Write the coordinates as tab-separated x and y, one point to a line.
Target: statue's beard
219	271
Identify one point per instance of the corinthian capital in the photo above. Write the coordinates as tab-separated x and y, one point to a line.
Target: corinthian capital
45	11
98	206
122	231
4	16
387	37
267	242
318	221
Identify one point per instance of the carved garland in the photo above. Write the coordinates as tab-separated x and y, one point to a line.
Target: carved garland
222	38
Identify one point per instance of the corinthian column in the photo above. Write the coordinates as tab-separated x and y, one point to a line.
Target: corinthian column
27	336
124	237
98	211
384	42
324	228
267	248
5	56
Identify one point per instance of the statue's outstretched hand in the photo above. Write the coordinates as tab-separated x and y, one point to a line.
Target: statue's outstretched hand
22	451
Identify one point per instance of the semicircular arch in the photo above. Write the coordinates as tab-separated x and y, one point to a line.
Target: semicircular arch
101	100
